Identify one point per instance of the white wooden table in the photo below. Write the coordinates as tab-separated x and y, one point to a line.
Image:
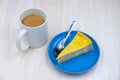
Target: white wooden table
98	18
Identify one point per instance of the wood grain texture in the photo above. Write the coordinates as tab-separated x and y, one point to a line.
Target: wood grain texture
98	18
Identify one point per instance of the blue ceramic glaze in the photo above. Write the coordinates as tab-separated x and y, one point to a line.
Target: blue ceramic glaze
79	64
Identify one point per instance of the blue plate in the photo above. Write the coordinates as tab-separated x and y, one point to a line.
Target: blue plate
79	64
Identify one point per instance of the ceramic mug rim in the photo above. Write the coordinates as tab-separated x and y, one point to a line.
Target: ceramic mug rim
43	14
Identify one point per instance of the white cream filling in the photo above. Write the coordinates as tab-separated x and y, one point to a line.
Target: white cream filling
74	54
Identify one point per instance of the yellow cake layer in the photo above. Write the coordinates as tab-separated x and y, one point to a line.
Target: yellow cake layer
79	42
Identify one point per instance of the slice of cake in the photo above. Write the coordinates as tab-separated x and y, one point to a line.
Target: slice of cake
79	45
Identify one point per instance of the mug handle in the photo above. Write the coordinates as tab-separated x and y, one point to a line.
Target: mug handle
19	40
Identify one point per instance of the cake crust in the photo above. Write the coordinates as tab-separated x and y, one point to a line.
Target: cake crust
79	45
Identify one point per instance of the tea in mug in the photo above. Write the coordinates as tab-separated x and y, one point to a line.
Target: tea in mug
33	20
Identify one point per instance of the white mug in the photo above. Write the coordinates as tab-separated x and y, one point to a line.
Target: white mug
33	37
